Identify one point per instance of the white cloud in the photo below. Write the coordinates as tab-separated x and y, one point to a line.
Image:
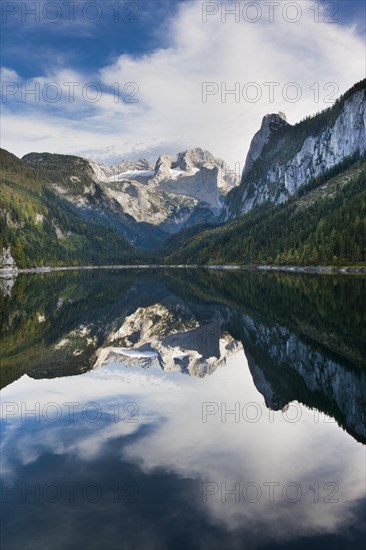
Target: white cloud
171	115
272	449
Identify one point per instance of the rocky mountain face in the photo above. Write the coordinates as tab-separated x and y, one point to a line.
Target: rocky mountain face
143	203
127	166
195	173
139	198
171	193
282	157
126	169
270	124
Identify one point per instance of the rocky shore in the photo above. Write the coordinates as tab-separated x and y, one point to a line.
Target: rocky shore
10	272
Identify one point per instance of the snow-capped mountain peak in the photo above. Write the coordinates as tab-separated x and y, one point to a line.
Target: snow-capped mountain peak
181	189
195	173
123	170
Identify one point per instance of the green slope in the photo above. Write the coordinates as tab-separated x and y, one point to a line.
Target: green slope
325	224
42	229
72	178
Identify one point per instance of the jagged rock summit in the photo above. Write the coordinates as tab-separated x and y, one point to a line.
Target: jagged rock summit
195	173
270	124
124	170
179	190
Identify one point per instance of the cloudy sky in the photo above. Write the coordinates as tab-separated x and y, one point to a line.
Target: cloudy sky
115	80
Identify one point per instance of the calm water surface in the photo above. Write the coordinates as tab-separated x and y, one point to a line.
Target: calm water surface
184	409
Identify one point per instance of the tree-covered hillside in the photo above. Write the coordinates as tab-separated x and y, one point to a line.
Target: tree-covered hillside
324	224
41	229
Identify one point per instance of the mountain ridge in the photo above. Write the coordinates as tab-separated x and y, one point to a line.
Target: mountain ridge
292	155
301	200
144	204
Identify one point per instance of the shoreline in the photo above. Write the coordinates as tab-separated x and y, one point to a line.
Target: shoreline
8	273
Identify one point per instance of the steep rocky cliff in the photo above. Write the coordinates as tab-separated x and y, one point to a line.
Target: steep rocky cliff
270	125
283	157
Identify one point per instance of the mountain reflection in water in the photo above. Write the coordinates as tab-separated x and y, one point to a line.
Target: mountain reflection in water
207	410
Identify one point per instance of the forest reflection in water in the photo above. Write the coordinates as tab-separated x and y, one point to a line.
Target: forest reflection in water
221	395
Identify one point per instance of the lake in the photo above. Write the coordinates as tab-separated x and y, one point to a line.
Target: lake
183	409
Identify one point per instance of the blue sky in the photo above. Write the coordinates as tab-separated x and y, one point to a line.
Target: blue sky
168	51
136	28
74	39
